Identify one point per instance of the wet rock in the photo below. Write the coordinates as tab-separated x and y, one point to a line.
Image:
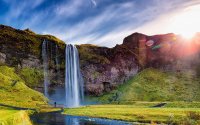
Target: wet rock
94	89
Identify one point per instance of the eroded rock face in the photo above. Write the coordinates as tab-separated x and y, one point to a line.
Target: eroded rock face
2	58
116	67
168	52
23	49
31	61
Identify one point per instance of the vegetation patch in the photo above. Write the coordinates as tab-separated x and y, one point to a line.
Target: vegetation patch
155	85
14	92
132	113
32	76
25	42
14	117
88	55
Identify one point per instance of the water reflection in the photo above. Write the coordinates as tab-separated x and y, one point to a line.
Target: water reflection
59	119
81	120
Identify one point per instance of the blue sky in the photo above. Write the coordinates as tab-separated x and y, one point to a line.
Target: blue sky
100	22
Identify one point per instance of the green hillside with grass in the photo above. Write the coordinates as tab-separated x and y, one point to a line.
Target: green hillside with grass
155	85
14	92
14	117
140	113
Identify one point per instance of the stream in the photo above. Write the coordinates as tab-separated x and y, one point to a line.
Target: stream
56	118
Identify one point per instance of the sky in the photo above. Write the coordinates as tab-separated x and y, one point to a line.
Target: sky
101	22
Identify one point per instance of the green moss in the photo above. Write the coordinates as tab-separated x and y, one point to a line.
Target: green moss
32	76
14	92
154	85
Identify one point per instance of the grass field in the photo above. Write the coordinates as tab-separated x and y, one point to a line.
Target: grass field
144	114
134	100
14	117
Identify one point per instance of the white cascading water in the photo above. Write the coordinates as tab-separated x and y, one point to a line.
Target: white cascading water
45	66
73	78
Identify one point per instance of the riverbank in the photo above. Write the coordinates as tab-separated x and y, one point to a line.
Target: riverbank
184	113
10	115
143	113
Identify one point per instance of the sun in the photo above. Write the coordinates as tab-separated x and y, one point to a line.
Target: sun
187	22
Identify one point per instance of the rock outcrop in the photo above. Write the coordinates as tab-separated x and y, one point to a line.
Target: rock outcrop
104	68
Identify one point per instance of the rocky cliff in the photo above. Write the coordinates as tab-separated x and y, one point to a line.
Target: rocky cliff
23	49
102	68
105	68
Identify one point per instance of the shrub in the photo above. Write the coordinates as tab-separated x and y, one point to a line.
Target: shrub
32	76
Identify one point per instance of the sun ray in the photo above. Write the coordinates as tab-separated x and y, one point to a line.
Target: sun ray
187	23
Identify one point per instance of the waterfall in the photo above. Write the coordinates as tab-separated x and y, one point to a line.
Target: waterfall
45	66
73	78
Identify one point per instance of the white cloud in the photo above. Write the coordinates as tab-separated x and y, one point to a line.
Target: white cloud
110	26
90	29
94	3
184	20
87	30
70	8
18	8
158	25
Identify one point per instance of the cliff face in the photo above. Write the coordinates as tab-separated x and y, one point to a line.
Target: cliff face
105	68
163	51
22	49
102	68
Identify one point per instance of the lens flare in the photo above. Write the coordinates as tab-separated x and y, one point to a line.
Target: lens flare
187	23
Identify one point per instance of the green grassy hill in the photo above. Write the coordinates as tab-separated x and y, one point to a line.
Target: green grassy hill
144	114
155	85
14	92
14	117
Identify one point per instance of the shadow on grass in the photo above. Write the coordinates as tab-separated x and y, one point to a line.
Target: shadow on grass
16	108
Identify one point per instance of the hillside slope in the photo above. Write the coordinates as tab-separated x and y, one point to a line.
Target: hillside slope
155	85
14	117
14	92
22	49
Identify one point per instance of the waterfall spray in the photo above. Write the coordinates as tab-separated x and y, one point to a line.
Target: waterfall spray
73	78
45	66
